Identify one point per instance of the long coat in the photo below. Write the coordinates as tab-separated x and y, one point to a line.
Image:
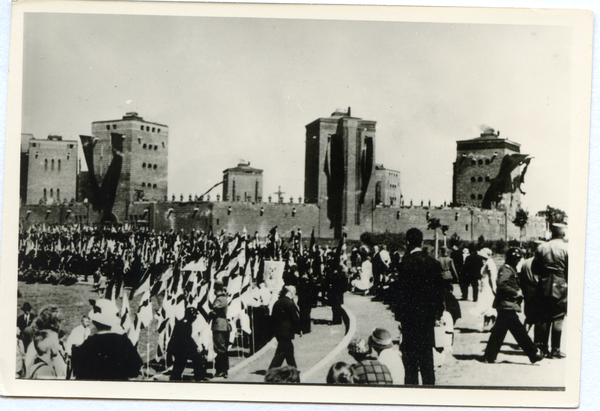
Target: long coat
418	298
285	318
551	265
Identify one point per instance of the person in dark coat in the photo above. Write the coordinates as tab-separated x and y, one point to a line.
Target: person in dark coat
457	258
285	319
551	265
307	297
508	304
418	303
220	329
108	354
337	283
24	320
183	348
472	273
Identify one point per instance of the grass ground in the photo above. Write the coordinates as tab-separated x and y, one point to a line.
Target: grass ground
73	303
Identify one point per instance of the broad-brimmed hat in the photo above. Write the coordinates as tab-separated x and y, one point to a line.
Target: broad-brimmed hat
26	306
105	312
380	339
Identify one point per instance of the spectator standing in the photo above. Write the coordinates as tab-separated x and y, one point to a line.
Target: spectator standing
221	330
472	269
418	303
551	264
24	320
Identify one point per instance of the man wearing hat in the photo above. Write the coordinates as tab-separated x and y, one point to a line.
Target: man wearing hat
508	304
220	328
381	342
418	301
108	354
551	265
24	320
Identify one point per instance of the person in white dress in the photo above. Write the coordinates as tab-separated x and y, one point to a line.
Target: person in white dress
484	309
365	280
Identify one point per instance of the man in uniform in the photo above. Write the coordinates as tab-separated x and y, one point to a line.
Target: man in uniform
220	329
551	265
418	303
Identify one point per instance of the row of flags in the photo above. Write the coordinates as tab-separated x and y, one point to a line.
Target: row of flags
177	272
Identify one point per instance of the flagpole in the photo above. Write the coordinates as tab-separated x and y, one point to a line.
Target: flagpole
148	353
252	330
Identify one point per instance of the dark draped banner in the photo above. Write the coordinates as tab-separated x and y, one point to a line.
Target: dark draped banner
503	183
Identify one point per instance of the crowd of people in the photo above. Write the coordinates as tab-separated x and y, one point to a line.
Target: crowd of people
240	285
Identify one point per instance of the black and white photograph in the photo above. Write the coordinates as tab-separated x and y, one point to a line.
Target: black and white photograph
292	203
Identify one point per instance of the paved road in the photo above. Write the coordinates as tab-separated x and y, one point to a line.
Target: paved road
461	368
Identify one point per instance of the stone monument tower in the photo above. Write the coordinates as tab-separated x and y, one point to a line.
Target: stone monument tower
487	172
340	171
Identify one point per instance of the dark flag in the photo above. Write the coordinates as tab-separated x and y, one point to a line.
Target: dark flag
367	167
87	144
110	183
336	172
503	182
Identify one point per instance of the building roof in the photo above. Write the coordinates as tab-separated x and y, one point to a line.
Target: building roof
488	139
129	117
382	168
243	168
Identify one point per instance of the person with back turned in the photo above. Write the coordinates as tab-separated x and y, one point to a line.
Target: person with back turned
285	319
508	304
418	303
551	265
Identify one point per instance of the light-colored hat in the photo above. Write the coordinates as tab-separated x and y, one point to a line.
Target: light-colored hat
105	312
381	338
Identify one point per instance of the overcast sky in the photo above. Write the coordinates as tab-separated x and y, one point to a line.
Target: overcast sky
232	89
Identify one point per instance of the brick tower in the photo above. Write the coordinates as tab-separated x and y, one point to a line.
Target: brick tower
340	171
145	159
242	183
477	163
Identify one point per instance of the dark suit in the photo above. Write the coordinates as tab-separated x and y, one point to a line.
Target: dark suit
23	322
417	303
183	347
286	323
472	274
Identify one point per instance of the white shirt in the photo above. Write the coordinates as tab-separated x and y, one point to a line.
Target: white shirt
77	337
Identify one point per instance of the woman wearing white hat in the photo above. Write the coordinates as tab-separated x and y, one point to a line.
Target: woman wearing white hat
108	354
487	291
